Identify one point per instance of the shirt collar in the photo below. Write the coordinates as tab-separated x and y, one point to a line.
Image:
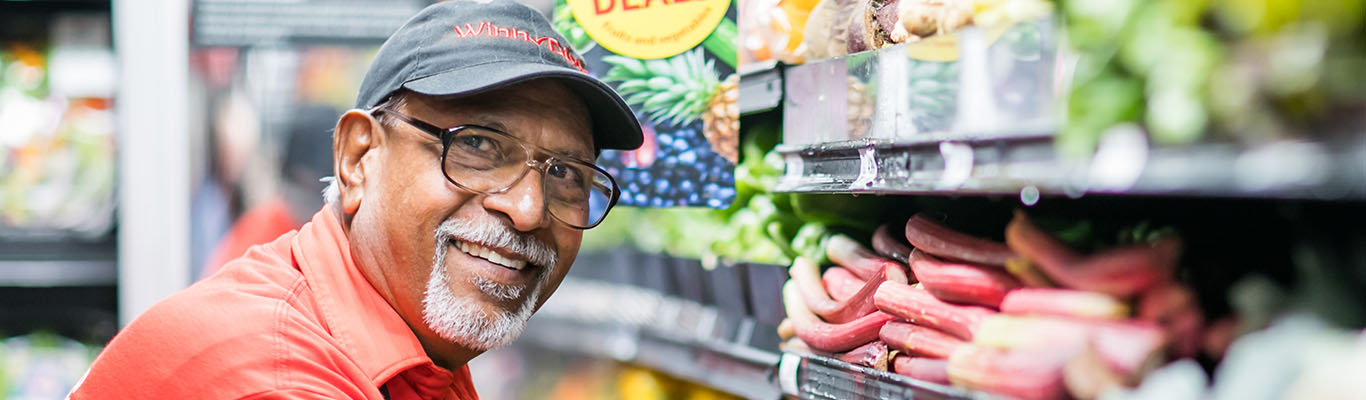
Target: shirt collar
361	321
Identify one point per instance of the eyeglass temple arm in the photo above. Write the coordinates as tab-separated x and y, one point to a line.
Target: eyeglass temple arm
422	126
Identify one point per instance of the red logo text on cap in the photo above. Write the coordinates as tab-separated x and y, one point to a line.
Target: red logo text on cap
487	29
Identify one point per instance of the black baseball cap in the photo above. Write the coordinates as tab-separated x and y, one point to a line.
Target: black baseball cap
465	47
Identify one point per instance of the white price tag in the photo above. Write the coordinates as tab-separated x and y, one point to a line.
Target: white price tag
867	168
787	373
957	164
793	166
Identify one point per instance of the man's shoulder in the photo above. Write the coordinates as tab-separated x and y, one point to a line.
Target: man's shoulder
250	327
260	292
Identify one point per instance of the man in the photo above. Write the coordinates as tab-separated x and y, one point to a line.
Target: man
463	183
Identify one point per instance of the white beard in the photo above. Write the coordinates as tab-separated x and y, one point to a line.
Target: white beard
463	320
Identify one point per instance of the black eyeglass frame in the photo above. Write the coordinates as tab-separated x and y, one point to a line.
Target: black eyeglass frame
447	137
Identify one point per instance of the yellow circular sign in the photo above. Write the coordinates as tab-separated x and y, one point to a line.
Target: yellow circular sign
648	29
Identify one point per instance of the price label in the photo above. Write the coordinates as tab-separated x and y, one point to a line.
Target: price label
787	373
957	164
867	169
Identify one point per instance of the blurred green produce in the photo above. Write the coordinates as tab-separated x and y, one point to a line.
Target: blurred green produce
1242	71
760	226
569	26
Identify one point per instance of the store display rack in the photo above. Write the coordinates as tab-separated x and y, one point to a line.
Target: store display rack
903	120
631	307
37	255
697	343
1028	165
985	121
635	325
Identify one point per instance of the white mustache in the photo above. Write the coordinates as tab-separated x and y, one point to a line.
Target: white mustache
499	236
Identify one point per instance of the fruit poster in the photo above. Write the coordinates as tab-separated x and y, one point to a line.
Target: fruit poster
674	63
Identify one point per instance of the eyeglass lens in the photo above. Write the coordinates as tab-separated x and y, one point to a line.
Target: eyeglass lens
486	160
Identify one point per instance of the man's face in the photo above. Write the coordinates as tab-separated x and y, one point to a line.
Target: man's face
464	267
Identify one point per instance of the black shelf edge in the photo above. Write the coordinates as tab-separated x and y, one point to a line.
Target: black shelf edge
1027	164
54	6
810	376
57	273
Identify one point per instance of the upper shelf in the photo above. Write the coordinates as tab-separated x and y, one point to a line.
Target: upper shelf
979	116
1029	166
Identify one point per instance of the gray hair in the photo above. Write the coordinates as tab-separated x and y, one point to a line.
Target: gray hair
399	99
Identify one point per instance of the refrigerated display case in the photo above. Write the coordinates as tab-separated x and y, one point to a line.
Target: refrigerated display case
57	193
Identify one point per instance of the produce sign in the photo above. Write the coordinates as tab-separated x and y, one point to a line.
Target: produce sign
649	29
674	63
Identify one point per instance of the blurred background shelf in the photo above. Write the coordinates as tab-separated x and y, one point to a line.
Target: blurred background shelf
57	273
733	369
249	23
639	326
57	263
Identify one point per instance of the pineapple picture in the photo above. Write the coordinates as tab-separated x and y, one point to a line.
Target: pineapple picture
680	91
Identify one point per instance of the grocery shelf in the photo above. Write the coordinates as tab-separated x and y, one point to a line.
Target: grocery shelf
810	376
907	119
1028	165
668	334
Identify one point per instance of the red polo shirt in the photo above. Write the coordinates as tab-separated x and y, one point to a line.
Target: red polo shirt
293	318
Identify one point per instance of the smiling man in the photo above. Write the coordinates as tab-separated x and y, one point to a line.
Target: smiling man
464	181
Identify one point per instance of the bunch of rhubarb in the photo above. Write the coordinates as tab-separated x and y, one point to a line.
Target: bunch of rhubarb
833	313
1029	318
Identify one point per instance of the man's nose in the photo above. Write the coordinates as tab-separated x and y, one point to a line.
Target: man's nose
523	203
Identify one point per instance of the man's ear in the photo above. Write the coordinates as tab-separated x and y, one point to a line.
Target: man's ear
357	134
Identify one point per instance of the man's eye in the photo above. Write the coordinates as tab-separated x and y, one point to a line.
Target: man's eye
564	172
476	142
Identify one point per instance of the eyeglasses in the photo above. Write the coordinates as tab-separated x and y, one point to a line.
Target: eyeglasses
488	161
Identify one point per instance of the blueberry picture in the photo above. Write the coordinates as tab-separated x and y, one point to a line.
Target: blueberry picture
685	172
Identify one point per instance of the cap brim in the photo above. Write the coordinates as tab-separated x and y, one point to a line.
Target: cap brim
614	124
